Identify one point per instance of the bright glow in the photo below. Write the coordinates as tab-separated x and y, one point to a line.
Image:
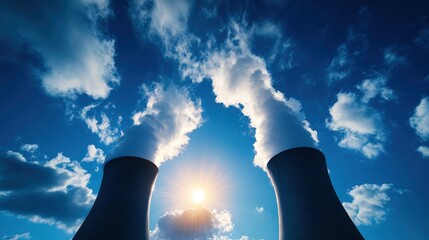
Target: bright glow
194	184
198	196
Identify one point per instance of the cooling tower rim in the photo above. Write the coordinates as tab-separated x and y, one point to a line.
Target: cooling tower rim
302	151
134	159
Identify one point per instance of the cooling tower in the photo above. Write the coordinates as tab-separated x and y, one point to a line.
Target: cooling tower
121	210
308	206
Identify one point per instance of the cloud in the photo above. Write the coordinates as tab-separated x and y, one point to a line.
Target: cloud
164	19
420	122
342	64
420	119
279	48
349	113
259	209
392	58
195	223
18	236
376	87
423	150
103	128
31	148
161	131
54	192
165	23
423	38
360	124
77	57
94	154
368	206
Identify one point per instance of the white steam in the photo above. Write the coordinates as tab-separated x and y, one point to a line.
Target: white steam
241	79
160	131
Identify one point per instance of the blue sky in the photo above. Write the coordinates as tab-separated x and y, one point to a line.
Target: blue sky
220	87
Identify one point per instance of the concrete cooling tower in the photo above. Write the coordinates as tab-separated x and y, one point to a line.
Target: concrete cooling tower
121	210
308	206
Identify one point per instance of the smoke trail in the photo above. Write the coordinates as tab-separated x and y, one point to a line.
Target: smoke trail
241	79
160	131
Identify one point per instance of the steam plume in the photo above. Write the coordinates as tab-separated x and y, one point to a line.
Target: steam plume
160	131
241	79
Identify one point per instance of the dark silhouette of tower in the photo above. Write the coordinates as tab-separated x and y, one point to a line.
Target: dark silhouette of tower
308	206
121	210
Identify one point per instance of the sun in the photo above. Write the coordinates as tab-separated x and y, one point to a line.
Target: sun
198	196
201	184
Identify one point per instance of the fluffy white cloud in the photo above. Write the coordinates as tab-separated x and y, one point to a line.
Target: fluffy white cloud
259	209
360	124
54	192
94	154
423	150
77	57
369	203
420	120
161	130
195	223
18	236
31	148
103	129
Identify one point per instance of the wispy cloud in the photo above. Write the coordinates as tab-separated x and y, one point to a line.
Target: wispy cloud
392	58
166	24
54	192
278	48
195	223
101	126
423	38
161	130
376	87
77	57
369	202
162	19
17	236
356	43
31	148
